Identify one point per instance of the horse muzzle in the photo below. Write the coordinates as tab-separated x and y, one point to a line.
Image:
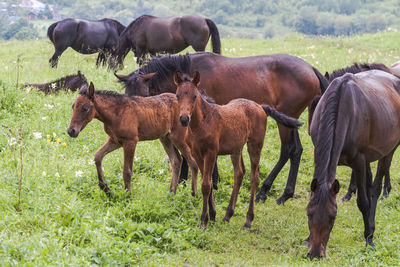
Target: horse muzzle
73	132
184	120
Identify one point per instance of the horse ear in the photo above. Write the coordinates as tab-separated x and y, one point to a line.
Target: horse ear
147	77
178	78
91	89
314	185
121	77
79	74
196	78
326	75
335	187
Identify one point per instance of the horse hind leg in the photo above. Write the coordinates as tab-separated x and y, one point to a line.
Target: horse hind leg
101	59
238	173
254	150
352	188
295	158
286	151
175	160
59	49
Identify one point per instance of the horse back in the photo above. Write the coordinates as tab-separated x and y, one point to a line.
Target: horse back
282	81
155	116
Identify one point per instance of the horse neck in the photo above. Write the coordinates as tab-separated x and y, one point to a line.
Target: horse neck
106	108
200	112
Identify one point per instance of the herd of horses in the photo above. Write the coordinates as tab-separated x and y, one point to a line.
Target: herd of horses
202	105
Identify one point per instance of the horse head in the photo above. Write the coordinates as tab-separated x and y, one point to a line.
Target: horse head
84	111
186	93
136	83
321	212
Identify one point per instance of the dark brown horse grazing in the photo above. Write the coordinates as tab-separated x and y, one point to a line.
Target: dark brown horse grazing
224	130
84	36
282	81
356	68
149	34
356	122
70	82
130	120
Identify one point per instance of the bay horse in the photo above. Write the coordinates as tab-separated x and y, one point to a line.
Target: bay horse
224	130
70	82
128	120
85	37
149	34
282	81
357	121
356	68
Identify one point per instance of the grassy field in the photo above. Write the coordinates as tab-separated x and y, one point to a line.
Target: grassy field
63	217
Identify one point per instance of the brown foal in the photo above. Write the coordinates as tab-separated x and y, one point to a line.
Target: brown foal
224	130
128	120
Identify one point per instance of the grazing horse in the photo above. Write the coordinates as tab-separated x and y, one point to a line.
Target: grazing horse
128	120
149	34
84	36
356	68
224	130
70	82
356	122
282	81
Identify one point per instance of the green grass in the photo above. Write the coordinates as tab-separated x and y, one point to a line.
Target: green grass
66	219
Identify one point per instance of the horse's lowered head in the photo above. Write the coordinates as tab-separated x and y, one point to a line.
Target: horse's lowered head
321	212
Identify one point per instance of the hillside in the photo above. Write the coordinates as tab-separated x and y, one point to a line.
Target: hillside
250	19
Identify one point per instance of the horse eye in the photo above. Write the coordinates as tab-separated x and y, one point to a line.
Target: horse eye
194	97
85	108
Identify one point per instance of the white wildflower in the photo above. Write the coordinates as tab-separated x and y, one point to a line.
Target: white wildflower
160	171
37	135
78	174
44	173
57	175
44	118
12	141
53	85
49	106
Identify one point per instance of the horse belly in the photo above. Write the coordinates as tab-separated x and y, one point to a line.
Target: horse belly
90	40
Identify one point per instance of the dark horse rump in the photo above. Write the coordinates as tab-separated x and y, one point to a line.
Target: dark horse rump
84	36
285	82
356	122
70	82
149	34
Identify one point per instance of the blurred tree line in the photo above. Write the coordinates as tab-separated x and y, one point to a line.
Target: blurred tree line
271	17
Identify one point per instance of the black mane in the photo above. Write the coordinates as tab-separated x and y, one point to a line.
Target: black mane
165	67
356	68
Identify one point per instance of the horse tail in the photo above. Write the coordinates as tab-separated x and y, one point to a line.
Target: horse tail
323	82
215	40
330	138
281	118
50	31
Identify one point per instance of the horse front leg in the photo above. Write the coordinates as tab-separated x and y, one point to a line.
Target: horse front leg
129	152
108	147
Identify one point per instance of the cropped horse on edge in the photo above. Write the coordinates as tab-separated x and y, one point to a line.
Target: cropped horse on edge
357	121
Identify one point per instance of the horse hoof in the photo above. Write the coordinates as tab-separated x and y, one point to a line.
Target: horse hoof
283	199
346	198
203	226
246	226
370	243
225	220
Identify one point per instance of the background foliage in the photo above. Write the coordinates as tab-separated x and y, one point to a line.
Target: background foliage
247	18
64	219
